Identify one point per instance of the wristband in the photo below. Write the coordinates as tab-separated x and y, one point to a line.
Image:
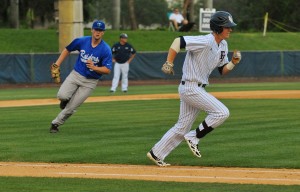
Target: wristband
230	66
55	65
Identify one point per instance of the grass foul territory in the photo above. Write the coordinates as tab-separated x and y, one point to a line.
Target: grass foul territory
41	41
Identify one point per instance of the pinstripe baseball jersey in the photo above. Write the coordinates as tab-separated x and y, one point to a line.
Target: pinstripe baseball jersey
202	57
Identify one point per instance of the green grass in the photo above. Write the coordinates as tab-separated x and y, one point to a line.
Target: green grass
50	92
40	41
259	133
8	184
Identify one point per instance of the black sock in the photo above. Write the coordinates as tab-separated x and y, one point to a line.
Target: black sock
204	131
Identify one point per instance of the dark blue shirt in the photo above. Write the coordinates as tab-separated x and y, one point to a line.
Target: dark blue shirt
122	52
100	55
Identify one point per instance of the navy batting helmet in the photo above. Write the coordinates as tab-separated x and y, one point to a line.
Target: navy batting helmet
219	20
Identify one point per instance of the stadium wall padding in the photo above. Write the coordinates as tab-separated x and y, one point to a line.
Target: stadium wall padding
35	68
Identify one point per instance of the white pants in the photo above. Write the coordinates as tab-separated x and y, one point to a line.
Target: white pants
193	100
118	69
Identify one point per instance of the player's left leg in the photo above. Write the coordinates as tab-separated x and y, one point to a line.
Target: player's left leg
217	113
67	89
125	70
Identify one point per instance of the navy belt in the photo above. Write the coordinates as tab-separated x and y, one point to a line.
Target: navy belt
199	84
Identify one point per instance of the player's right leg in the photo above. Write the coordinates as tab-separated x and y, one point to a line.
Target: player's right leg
116	78
175	135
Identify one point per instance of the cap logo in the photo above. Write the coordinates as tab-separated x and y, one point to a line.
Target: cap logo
230	19
99	24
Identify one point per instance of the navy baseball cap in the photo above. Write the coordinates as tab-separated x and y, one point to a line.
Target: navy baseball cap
98	25
124	35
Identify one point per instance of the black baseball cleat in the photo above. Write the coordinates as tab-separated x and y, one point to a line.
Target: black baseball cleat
156	160
54	128
193	147
63	103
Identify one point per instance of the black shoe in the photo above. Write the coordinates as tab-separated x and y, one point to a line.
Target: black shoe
111	91
125	91
54	128
156	160
63	103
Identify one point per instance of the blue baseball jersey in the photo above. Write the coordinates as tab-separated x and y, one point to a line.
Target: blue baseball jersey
100	55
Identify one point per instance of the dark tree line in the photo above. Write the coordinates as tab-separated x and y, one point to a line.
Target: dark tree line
284	14
42	11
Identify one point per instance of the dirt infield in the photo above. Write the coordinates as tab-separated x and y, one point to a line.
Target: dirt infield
154	173
282	94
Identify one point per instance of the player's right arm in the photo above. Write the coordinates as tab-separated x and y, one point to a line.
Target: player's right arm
74	45
177	44
65	53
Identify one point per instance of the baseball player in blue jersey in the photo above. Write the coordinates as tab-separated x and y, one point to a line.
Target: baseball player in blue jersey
204	54
94	60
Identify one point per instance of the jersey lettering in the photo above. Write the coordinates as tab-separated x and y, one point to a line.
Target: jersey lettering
222	56
85	57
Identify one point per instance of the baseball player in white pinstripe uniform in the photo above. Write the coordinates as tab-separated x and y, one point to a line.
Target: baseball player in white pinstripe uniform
204	54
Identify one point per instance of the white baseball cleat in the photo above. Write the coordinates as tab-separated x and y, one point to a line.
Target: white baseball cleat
156	160
193	147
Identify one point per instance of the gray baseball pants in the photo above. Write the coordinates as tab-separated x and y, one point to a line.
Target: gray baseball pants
77	89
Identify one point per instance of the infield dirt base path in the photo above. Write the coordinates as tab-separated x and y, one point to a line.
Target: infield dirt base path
280	94
154	173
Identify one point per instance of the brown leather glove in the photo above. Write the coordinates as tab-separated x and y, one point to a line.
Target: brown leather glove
236	57
55	72
167	68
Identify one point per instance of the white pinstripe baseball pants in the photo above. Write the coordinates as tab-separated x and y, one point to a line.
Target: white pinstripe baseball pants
193	99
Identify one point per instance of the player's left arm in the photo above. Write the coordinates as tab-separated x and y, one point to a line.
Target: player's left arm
236	58
100	70
130	58
106	64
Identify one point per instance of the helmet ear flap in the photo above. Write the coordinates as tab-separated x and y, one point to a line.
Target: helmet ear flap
215	28
219	30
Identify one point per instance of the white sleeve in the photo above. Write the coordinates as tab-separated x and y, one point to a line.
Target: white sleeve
195	43
181	18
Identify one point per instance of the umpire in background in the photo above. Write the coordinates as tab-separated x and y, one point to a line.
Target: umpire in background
123	53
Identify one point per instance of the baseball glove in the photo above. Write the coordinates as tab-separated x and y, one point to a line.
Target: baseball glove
55	72
167	68
236	57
